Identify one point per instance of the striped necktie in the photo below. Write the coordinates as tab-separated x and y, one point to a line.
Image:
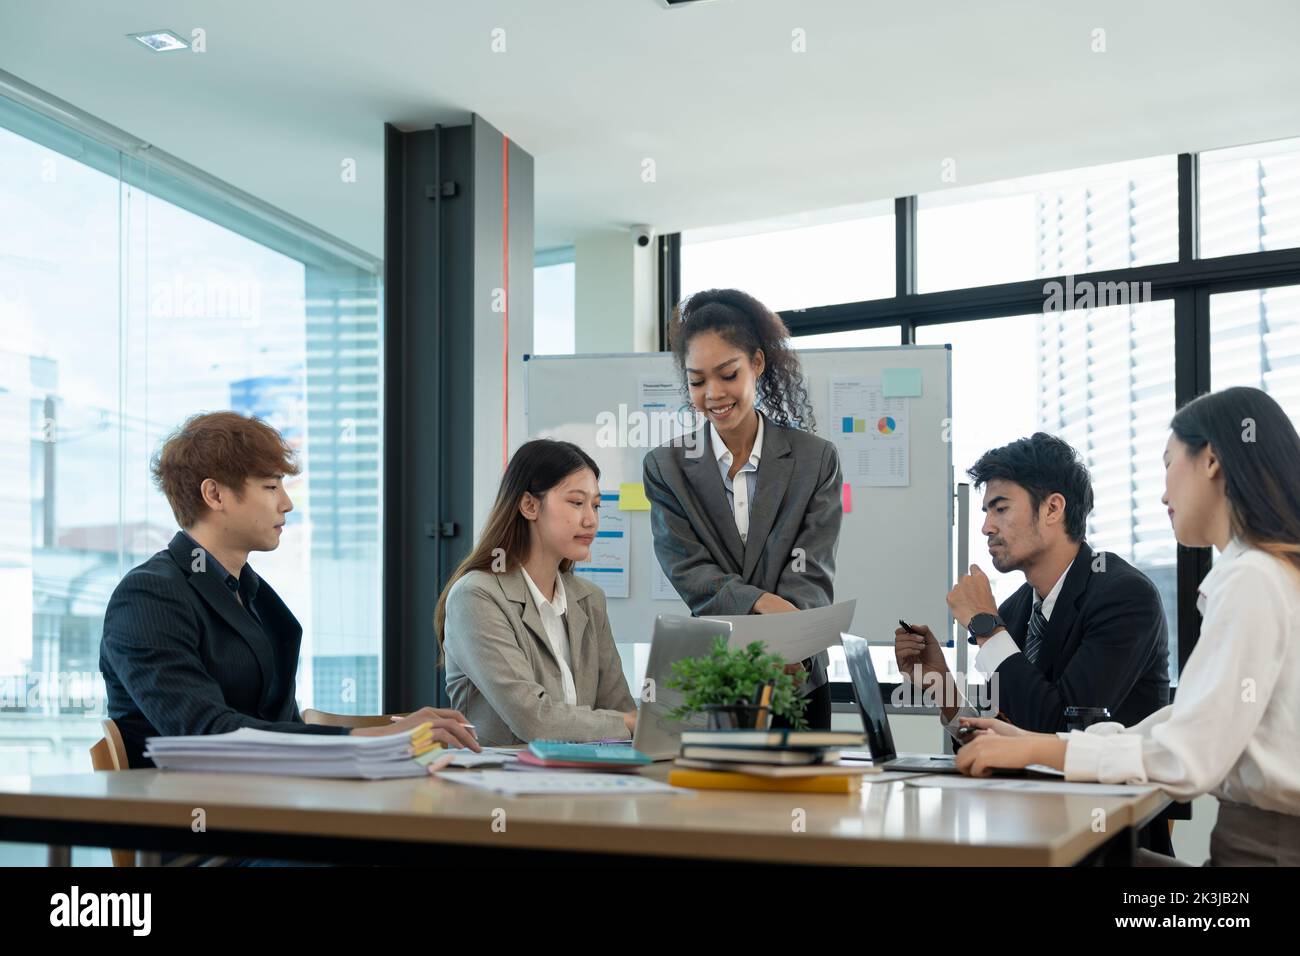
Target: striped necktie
1037	627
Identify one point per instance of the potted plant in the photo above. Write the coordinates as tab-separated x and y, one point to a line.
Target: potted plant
728	684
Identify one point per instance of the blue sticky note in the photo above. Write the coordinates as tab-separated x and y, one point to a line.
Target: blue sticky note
901	382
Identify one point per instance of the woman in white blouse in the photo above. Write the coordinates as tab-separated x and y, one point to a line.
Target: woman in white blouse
1232	480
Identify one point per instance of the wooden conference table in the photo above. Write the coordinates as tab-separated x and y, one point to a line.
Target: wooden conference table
435	822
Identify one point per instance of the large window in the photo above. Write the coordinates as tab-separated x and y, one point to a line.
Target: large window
1104	217
1250	198
1101	379
131	297
554	277
1255	340
842	255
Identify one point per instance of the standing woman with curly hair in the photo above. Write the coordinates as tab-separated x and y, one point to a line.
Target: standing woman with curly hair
746	517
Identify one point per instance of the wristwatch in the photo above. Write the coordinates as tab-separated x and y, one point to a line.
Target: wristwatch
983	625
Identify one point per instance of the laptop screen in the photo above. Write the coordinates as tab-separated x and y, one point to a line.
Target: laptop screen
871	702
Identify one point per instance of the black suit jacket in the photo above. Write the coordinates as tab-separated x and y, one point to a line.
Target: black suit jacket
1106	645
181	656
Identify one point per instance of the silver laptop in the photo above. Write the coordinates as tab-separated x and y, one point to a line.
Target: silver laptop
657	735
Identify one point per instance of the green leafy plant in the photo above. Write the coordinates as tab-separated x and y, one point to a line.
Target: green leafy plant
728	677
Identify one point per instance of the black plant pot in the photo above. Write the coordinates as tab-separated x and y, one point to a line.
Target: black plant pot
738	716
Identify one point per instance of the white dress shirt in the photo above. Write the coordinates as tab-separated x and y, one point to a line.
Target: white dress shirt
739	493
557	635
1001	645
1233	725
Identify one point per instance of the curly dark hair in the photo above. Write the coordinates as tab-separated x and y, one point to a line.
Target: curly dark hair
749	325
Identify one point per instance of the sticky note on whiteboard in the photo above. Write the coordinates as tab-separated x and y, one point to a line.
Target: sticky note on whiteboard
901	382
631	497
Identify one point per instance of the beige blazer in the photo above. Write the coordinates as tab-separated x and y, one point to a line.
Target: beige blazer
504	677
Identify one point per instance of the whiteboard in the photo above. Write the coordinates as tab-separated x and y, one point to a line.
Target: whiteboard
895	552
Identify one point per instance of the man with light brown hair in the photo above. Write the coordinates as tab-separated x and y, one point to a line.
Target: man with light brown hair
195	642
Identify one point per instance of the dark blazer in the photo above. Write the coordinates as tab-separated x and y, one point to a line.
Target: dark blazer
1106	645
181	656
797	504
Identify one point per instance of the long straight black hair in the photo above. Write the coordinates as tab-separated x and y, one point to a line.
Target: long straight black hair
536	468
1260	451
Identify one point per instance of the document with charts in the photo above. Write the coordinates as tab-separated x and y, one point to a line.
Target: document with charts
870	432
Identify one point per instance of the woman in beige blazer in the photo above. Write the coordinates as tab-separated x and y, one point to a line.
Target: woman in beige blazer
527	645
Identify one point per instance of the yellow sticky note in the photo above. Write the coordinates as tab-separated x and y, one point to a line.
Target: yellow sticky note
631	497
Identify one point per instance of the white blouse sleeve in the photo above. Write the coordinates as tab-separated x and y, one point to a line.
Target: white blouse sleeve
1191	745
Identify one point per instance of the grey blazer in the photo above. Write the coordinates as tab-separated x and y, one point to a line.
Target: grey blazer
797	505
504	677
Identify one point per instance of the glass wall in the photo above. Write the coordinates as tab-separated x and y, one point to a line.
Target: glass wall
129	300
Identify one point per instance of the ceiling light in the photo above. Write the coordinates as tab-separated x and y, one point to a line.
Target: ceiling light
160	41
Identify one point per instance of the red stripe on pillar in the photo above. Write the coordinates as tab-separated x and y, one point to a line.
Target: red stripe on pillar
505	286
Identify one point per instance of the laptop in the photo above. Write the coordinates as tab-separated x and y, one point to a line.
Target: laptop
657	735
871	703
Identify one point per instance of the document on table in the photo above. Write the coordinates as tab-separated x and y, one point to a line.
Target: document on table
464	757
541	783
1023	785
795	635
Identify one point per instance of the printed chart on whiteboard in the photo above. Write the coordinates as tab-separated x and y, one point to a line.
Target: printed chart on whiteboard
870	432
607	567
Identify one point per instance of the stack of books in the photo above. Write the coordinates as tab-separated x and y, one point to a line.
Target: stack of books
797	761
297	755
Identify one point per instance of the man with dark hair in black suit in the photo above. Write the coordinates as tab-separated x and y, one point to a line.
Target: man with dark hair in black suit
1087	629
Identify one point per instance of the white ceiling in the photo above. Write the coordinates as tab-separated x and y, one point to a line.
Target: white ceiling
739	125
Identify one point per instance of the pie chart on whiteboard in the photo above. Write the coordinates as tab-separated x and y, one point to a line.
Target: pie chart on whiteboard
886	426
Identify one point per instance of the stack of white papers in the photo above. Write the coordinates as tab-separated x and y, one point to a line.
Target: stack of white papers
296	755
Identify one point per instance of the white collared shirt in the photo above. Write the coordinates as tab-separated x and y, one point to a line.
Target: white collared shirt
1001	645
552	615
739	493
1234	722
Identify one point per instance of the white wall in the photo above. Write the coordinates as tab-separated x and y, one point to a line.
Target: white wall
614	302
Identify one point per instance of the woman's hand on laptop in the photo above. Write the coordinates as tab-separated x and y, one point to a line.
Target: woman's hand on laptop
991	751
629	719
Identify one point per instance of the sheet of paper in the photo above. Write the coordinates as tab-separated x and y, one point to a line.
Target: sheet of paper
661	589
1026	785
607	567
512	784
870	432
464	757
901	382
794	635
631	497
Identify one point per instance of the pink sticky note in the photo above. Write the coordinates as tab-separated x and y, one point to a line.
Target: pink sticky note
848	498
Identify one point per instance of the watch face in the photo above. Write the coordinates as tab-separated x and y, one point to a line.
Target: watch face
982	625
